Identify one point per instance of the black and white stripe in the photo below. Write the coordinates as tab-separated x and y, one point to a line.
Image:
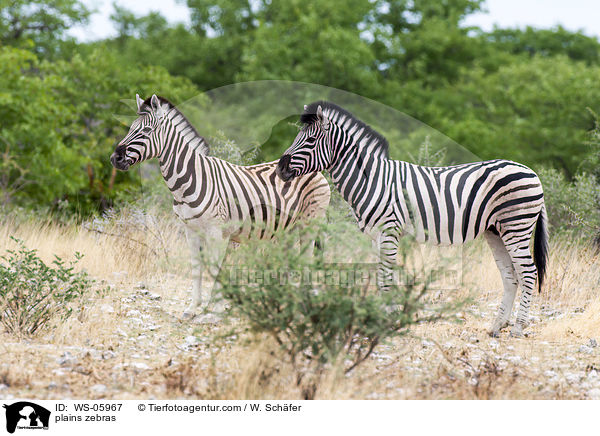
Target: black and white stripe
218	201
442	205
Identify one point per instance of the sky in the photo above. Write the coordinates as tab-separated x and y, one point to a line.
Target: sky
571	14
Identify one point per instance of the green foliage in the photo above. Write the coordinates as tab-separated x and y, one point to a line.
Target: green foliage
573	206
547	43
39	24
322	313
33	293
227	149
533	112
59	126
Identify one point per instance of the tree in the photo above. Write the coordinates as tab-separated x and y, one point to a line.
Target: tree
533	112
59	125
547	43
39	23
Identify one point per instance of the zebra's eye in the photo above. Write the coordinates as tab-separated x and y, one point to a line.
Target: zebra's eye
147	130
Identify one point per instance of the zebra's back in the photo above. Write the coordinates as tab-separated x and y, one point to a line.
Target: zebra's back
452	205
252	199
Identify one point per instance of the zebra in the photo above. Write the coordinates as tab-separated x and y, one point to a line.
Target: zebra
218	201
503	200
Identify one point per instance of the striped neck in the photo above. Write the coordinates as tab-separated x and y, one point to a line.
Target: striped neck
177	138
359	168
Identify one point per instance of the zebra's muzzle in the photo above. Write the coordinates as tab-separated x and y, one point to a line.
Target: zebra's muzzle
283	168
119	161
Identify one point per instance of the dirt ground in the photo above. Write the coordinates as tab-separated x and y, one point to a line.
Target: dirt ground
131	343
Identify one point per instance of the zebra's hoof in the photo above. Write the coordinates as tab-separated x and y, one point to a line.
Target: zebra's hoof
188	315
516	331
497	327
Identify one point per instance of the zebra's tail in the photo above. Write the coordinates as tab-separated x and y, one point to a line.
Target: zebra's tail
540	246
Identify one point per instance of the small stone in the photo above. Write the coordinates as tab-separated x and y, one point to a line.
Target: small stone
99	389
107	308
593	343
140	365
66	359
3	386
572	378
191	340
585	349
108	355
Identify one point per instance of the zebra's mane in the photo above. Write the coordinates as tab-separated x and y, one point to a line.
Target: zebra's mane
347	121
147	106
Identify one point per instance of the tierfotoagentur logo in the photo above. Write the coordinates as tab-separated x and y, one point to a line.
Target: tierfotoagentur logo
25	415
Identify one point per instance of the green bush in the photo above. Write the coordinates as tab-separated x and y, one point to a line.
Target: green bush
32	293
323	312
573	206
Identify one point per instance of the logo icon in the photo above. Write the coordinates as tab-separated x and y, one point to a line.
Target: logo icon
26	415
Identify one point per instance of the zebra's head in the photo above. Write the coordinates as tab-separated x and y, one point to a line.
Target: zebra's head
311	151
141	142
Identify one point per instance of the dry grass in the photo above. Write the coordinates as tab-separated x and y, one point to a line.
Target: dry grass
131	343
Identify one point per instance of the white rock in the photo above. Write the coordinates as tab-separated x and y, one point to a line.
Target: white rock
107	355
3	386
107	308
572	377
66	359
133	313
99	389
514	359
585	349
139	365
191	340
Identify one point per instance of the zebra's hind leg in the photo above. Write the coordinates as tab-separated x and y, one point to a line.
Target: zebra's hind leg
509	280
527	275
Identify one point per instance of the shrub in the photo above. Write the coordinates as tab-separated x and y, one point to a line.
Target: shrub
573	207
227	149
32	293
322	313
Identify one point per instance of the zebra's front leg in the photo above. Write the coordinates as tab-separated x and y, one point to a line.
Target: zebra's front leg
387	243
509	280
216	249
195	242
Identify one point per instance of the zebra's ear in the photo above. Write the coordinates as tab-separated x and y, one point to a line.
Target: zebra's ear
156	107
139	101
323	120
